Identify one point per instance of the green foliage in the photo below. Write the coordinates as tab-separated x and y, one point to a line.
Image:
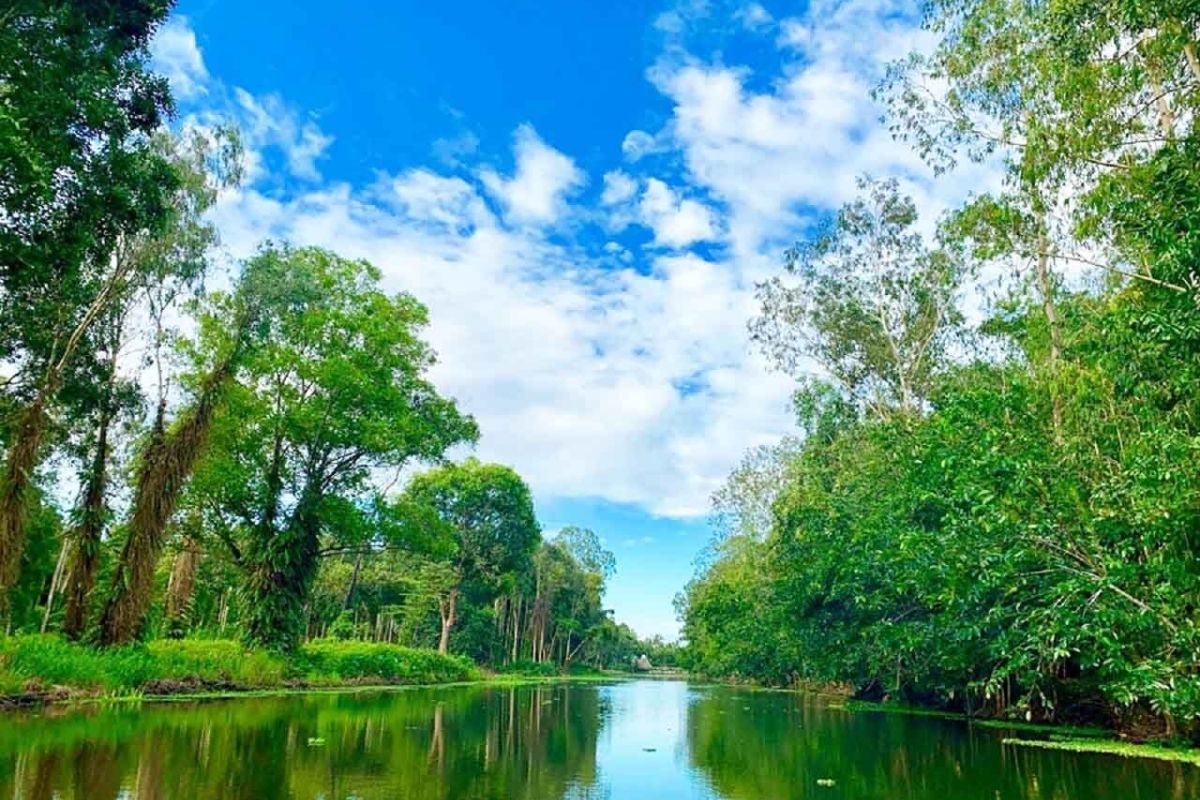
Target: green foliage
50	661
326	660
529	668
333	392
196	664
1024	544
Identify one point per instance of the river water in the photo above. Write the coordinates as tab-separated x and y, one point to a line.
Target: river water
630	740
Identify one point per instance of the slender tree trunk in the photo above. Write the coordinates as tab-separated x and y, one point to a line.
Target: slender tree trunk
449	612
358	562
56	580
1166	115
1189	50
167	465
85	562
1046	288
516	648
181	586
16	483
16	493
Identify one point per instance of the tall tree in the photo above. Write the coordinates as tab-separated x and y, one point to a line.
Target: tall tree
336	395
488	513
867	302
231	327
81	177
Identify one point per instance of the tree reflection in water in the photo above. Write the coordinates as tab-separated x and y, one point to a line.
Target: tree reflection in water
543	742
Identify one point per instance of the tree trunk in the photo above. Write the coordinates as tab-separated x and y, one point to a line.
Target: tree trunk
1046	287
349	598
449	611
24	449
85	563
1189	50
516	626
56	580
16	493
180	587
167	465
282	567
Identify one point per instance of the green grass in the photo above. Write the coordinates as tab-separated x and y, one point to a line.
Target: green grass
339	661
1112	748
529	669
39	663
1073	731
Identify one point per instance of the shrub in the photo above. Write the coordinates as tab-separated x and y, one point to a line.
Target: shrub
351	660
52	661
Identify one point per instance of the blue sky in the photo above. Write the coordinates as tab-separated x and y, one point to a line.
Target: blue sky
584	194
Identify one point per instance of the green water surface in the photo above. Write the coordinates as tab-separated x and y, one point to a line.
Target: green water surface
623	741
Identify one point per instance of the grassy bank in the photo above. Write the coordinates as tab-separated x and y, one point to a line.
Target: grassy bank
1112	747
1067	738
34	668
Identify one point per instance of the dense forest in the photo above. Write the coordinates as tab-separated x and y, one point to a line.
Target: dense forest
992	502
255	452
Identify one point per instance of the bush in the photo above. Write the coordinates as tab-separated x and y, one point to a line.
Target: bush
48	661
329	659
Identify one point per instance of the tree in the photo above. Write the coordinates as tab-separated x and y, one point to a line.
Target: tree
869	304
231	327
80	178
335	394
488	513
172	262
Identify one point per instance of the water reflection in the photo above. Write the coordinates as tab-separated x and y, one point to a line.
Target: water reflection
585	742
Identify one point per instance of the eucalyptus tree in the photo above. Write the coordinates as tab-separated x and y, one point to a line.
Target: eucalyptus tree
232	325
81	177
867	302
487	513
569	573
171	265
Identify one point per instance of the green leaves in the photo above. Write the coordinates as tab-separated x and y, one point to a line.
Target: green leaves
867	302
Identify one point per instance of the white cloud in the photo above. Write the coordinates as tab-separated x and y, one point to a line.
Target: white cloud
775	155
266	122
676	222
175	54
543	178
454	150
753	16
269	121
618	188
639	144
594	369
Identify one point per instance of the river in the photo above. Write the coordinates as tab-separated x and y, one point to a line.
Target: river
630	740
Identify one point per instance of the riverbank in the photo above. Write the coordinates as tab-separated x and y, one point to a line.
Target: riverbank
1068	738
47	669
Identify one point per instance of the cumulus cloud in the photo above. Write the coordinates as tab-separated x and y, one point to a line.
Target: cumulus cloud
676	222
639	144
595	367
618	188
753	17
537	191
175	54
